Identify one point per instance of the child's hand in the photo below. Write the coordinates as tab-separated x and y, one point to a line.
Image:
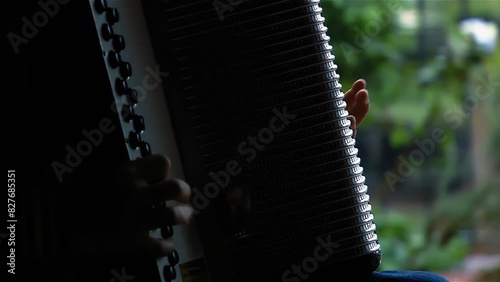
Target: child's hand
358	103
149	187
144	184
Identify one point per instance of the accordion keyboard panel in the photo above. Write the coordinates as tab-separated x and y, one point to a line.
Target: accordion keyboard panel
250	102
136	80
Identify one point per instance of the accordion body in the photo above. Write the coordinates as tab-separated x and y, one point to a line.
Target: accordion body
245	100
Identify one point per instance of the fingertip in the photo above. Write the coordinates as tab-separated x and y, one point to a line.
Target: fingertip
363	96
169	190
184	214
361	81
184	190
161	247
167	213
357	86
166	246
163	163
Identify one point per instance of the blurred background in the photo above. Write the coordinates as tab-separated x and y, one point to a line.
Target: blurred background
429	143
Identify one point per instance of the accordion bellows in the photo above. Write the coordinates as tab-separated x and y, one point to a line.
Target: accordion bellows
270	151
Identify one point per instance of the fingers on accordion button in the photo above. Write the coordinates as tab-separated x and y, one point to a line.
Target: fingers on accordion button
112	15
169	273
167	231
100	6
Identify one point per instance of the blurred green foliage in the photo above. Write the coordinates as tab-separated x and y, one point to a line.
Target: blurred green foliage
492	66
405	245
418	67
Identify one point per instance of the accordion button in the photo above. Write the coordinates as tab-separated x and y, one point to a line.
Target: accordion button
134	139
132	95
118	42
125	70
167	231
145	149
139	125
107	31
173	258
112	15
100	6
121	86
114	59
169	273
127	112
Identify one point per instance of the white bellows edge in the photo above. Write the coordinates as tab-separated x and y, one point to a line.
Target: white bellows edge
152	105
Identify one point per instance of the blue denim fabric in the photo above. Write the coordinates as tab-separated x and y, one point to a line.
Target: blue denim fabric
405	276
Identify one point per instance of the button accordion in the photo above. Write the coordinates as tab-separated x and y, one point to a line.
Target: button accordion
245	100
